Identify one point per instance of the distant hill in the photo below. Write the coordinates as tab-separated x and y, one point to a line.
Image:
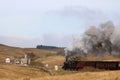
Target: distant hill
9	51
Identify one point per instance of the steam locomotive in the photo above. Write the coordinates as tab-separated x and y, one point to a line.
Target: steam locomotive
76	65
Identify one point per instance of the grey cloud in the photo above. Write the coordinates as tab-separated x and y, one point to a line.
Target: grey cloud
84	14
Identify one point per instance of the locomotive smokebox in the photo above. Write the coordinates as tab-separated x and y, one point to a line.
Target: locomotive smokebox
66	58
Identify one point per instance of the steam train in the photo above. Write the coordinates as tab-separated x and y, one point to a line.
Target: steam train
76	65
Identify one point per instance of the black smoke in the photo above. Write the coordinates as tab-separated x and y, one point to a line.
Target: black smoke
98	41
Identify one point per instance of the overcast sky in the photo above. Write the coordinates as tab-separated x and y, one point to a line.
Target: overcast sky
26	23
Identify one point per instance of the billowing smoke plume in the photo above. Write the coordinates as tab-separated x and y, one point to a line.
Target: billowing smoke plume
97	41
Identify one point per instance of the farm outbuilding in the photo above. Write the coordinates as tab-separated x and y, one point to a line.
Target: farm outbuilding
7	60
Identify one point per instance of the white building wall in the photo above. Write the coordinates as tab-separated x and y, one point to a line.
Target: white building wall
7	60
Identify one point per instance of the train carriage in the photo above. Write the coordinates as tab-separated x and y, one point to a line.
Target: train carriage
76	65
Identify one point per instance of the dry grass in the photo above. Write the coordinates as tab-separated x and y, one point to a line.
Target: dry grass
105	58
17	72
7	51
52	60
111	58
106	75
13	72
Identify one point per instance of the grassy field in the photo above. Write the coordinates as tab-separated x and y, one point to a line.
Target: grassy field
13	72
22	73
50	57
10	72
105	75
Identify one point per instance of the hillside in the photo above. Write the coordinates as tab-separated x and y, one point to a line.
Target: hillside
42	57
8	51
52	57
